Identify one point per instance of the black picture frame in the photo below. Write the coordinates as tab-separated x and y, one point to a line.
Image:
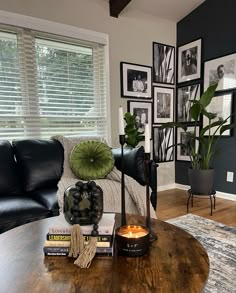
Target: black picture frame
143	111
185	95
221	70
163	104
181	137
163	144
222	105
136	81
190	61
163	61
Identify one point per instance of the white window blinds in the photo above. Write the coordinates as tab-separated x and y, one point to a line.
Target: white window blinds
50	86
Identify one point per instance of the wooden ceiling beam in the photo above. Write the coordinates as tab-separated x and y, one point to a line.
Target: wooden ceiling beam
116	6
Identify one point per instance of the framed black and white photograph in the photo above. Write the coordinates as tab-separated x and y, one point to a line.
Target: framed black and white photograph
163	140
189	61
163	98
222	107
183	139
142	112
163	63
185	96
136	80
221	70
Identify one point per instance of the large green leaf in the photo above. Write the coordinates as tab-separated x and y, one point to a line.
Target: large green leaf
209	115
227	127
212	125
195	110
207	96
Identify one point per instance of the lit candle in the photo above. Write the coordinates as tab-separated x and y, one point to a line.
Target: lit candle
132	231
121	121
147	138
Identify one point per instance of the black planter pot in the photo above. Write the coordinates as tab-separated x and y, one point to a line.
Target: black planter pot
201	181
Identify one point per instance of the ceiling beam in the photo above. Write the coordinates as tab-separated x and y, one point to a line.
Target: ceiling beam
116	6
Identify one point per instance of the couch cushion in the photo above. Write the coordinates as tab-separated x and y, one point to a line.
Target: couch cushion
40	162
9	182
48	198
133	162
18	210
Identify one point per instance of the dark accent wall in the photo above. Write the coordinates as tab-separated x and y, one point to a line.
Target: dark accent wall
214	21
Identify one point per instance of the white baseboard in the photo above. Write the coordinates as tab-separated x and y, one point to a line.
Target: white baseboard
166	187
218	193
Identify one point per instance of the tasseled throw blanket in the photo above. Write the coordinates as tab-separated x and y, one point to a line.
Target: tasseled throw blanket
135	194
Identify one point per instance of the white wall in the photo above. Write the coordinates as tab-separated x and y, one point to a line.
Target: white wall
131	37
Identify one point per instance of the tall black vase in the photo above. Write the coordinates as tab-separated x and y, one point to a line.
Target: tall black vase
201	181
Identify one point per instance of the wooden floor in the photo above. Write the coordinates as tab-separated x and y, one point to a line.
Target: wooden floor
172	203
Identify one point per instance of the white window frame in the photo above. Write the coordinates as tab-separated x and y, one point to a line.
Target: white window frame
14	19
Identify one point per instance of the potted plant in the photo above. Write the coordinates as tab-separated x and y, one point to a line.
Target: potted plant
132	134
201	173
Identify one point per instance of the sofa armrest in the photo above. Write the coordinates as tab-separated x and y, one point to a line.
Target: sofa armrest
134	167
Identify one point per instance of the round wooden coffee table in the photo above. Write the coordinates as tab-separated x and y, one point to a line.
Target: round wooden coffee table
176	262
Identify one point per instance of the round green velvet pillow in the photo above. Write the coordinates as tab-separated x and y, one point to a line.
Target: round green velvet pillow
91	160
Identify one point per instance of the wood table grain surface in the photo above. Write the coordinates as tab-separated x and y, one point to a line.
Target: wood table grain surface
176	262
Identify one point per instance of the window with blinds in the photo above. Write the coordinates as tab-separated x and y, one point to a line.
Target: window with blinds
50	86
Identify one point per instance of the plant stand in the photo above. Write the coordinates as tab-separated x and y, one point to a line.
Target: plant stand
211	195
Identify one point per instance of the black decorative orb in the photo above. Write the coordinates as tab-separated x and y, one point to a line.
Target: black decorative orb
83	203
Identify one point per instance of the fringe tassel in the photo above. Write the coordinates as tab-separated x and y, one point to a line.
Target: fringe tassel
86	256
77	241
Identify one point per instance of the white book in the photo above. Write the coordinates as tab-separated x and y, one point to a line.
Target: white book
105	226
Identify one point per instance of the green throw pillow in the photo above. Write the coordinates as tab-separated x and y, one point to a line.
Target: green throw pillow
91	160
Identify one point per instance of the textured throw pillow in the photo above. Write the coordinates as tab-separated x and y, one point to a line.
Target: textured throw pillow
68	143
91	160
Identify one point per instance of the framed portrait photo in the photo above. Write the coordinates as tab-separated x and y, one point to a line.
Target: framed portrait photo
185	96
163	140
136	80
163	98
142	112
222	106
221	70
163	63
183	139
189	61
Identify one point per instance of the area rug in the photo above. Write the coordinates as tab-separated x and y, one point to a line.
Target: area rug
220	243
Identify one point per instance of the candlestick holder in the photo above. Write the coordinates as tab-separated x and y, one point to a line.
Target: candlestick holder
123	214
131	240
153	235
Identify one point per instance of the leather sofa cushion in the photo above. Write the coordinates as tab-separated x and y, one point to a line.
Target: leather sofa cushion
133	162
48	198
20	205
40	162
9	182
16	210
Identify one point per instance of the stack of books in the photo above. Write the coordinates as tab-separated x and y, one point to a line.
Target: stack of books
58	238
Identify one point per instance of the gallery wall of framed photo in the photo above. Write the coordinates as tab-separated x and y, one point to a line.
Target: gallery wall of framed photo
193	78
151	94
218	63
155	99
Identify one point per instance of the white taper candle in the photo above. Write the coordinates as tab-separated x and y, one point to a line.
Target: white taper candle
147	138
121	121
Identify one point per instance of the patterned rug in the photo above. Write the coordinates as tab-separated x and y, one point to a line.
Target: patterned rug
220	243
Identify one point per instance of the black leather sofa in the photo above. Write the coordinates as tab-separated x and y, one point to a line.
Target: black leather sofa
30	171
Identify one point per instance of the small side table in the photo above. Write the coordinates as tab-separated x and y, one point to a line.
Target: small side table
211	195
